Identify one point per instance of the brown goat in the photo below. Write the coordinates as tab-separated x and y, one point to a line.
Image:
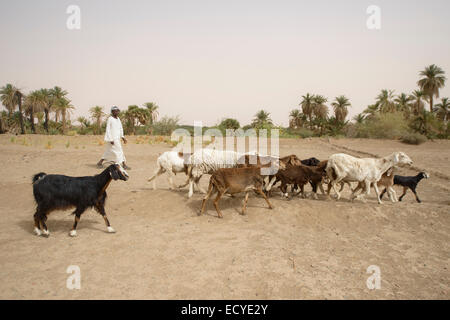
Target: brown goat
232	181
301	175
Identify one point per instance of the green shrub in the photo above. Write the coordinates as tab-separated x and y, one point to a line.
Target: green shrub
383	126
413	138
165	126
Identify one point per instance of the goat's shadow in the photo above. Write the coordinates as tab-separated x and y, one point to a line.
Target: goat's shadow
226	202
58	225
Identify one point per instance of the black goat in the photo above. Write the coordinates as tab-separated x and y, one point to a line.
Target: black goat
54	191
311	162
408	182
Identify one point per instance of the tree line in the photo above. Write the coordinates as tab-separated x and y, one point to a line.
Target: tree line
52	109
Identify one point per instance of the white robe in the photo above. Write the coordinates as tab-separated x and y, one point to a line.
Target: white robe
114	132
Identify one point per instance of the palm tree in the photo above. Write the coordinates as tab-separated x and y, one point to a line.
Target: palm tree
34	103
385	102
442	109
296	118
340	108
320	110
153	111
261	119
143	116
8	98
63	107
433	80
131	115
56	94
403	102
371	111
12	97
97	115
307	105
83	122
359	118
3	117
417	98
48	103
423	123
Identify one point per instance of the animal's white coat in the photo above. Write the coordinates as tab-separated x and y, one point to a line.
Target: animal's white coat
343	167
170	162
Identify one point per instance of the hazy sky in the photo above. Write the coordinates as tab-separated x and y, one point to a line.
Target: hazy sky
206	60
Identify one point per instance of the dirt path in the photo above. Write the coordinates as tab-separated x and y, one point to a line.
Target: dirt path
303	249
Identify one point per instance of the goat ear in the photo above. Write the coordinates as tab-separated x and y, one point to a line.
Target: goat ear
113	173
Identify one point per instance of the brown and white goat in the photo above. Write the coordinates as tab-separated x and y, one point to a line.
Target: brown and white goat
386	181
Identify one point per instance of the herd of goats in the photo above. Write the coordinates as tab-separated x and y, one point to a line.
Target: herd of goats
231	173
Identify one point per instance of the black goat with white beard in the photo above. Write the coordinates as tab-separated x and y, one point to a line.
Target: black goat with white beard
58	192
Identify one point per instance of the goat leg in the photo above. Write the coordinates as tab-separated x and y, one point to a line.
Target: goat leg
417	197
244	203
216	202
101	209
37	223
157	173
205	199
377	191
404	192
265	198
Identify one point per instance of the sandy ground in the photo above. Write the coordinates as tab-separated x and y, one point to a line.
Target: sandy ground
303	249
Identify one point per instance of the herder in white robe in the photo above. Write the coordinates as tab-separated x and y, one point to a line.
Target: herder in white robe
114	132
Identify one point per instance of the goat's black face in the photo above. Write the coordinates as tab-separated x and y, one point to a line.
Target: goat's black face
117	172
424	175
311	162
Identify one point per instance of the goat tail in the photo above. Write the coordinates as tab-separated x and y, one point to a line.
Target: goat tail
38	177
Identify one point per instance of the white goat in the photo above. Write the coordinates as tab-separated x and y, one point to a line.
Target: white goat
171	162
343	167
206	161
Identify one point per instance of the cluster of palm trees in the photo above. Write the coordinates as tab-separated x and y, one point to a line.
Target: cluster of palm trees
314	113
133	117
23	109
413	106
38	103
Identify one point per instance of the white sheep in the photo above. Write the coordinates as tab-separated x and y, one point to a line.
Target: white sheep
171	162
343	167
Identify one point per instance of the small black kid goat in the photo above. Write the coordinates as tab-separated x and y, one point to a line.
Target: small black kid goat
408	183
58	192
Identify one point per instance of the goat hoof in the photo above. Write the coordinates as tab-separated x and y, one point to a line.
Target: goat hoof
37	232
73	233
46	233
111	230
